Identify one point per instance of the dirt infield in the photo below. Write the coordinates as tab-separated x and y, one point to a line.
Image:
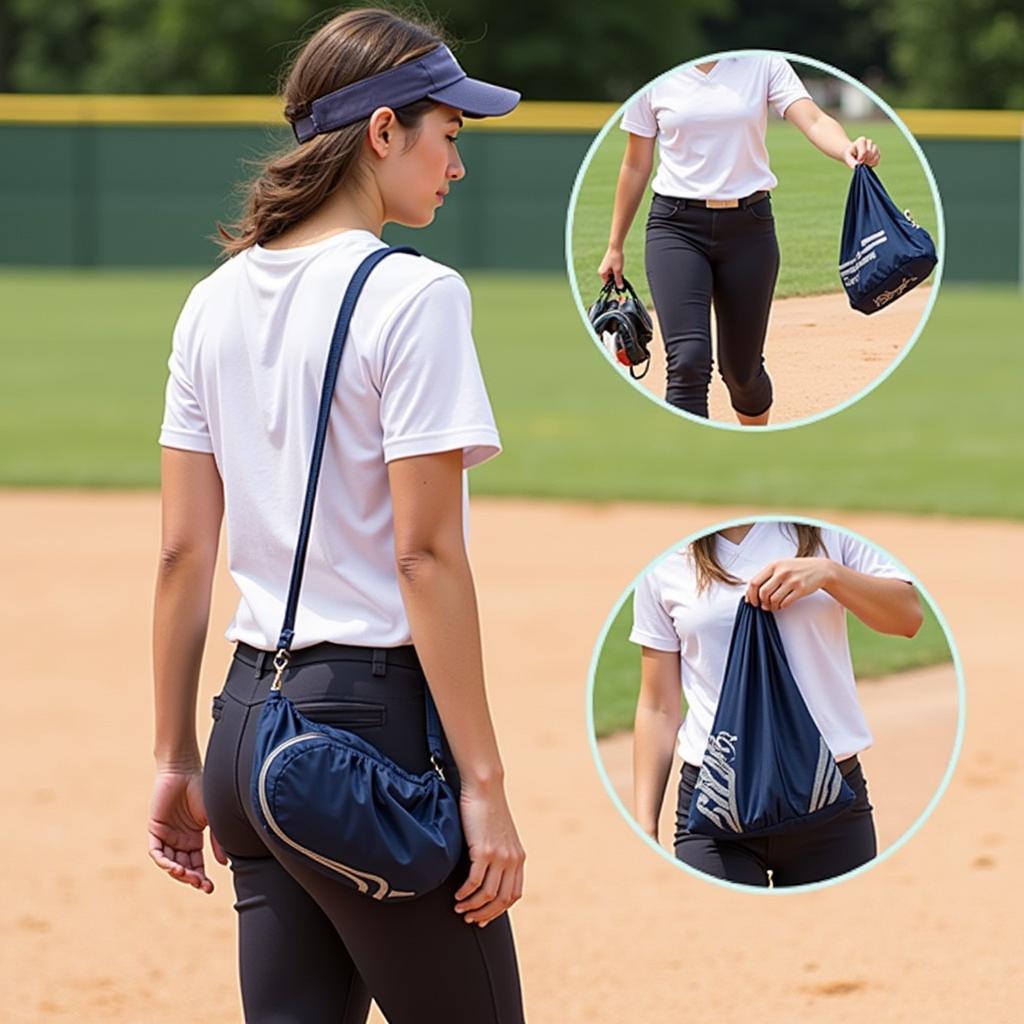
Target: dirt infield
913	717
819	352
95	933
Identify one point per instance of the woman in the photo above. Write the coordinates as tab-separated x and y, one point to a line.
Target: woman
683	616
710	230
388	603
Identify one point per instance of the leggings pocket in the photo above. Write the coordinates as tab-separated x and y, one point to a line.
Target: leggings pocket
664	206
761	210
343	714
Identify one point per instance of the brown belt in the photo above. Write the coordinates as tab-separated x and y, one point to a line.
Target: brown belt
725	204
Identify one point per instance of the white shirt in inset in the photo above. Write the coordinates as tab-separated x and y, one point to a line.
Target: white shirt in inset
246	367
711	127
669	615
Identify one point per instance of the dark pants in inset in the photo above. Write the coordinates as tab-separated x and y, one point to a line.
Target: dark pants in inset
813	854
696	256
312	950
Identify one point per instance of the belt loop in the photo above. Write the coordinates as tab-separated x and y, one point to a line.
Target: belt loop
680	205
260	658
380	661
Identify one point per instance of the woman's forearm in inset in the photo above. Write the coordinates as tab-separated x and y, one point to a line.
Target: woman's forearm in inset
628	193
828	135
629	190
655	725
654	733
885	605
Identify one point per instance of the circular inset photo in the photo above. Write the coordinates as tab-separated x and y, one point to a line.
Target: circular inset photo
754	239
775	703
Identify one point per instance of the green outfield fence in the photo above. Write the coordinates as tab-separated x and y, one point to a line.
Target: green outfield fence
124	181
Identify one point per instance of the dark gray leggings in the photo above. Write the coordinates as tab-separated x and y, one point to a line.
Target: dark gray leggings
695	256
794	858
311	949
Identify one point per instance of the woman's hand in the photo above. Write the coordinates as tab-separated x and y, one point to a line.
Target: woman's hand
781	583
177	818
611	266
495	879
861	151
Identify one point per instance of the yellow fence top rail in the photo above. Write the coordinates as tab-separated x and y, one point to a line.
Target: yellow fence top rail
28	108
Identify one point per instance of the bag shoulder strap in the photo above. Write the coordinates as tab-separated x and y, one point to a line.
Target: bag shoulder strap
341	328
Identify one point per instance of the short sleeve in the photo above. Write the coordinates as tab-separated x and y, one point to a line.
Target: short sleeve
862	557
638	117
184	423
784	85
652	624
432	393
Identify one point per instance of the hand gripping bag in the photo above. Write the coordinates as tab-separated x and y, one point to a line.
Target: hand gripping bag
767	769
883	253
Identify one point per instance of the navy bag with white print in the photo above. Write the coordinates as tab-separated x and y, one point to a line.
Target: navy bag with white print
767	769
883	253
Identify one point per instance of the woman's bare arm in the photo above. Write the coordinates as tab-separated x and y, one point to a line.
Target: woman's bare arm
634	174
829	136
885	605
658	715
437	590
192	506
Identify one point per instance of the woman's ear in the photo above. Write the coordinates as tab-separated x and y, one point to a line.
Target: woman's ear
382	124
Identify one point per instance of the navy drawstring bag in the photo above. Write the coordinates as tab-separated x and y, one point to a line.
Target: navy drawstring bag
324	792
767	769
883	253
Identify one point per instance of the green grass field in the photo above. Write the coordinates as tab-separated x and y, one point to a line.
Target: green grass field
617	677
808	203
85	366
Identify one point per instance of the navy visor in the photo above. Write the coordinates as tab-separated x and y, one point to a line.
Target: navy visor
436	76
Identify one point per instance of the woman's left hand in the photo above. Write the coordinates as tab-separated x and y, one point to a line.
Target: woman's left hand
781	583
862	151
177	818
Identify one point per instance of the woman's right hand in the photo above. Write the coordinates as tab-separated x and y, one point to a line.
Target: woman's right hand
495	879
611	266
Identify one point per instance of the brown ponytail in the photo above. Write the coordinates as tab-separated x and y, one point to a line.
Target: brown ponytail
702	550
291	184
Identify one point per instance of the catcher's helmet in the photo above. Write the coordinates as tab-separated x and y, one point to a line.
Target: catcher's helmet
623	325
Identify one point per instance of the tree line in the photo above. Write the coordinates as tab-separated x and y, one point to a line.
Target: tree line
927	53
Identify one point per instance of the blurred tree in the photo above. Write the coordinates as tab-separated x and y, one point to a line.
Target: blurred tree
837	33
579	49
940	52
958	53
572	50
51	45
156	46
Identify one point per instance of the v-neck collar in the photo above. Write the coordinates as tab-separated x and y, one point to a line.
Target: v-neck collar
733	546
704	75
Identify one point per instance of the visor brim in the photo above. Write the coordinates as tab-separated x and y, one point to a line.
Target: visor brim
477	99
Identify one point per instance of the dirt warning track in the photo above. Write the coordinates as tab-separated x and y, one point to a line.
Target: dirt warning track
819	353
608	932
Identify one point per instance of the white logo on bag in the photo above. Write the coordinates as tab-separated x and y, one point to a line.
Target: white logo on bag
850	270
716	783
828	779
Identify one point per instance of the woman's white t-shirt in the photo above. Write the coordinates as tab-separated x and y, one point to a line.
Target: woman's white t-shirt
246	367
711	127
670	615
